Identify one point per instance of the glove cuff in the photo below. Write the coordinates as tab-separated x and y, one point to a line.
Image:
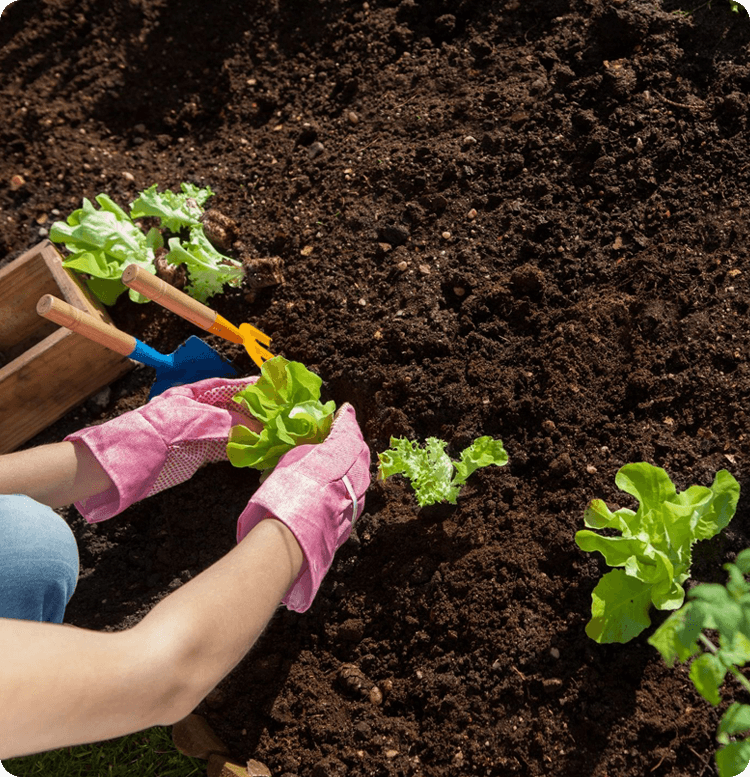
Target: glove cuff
132	453
291	497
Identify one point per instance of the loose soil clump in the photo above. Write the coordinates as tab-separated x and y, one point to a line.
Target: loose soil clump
526	220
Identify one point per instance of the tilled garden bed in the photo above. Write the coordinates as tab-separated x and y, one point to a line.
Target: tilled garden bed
525	220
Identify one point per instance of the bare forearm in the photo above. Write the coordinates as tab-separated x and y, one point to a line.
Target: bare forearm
56	475
63	686
216	618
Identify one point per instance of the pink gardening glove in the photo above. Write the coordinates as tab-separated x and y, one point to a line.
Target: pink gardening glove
163	443
318	492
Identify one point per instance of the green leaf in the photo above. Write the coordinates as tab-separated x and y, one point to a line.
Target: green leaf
676	638
429	469
431	472
616	550
718	511
101	242
285	400
619	608
209	270
656	541
175	211
733	759
742	562
707	673
483	452
736	720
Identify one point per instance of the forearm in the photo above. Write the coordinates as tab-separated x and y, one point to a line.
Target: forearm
216	618
56	475
62	686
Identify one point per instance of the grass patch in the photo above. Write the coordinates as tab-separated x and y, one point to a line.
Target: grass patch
149	753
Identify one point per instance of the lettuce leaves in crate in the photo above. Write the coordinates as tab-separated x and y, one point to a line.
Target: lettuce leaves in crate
103	242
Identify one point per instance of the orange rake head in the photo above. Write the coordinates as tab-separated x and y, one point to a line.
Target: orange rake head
197	313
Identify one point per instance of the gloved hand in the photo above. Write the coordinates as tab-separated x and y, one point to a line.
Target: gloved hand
318	492
163	443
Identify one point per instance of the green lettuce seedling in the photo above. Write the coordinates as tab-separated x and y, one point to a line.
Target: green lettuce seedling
726	610
286	400
433	475
654	549
102	242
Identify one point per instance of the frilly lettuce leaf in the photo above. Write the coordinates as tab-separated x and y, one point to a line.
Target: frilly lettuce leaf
176	210
286	400
209	270
432	473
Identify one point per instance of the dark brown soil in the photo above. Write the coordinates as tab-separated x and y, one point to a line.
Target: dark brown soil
521	219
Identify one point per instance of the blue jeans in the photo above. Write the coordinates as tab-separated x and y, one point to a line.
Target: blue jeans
38	561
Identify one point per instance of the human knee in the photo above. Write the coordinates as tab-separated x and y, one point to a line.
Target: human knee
39	561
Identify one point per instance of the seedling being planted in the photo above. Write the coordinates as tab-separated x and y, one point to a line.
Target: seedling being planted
725	610
654	549
286	400
433	475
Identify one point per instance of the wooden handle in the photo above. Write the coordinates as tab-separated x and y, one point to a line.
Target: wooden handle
82	323
156	289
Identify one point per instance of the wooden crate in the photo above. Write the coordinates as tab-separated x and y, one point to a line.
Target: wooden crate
45	370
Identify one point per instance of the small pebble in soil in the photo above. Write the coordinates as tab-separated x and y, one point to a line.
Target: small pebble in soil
315	150
16	182
352	679
446	235
554	652
459	291
472	214
101	400
402	266
376	696
257	769
424	269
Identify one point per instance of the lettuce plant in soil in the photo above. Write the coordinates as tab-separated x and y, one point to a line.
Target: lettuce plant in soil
434	476
654	549
103	241
726	611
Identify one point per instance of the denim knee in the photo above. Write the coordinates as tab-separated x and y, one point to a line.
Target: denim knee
38	561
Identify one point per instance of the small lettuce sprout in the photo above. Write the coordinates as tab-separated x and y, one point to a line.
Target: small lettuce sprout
433	475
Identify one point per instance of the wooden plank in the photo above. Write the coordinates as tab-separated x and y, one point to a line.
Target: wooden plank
72	289
46	370
50	379
22	282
